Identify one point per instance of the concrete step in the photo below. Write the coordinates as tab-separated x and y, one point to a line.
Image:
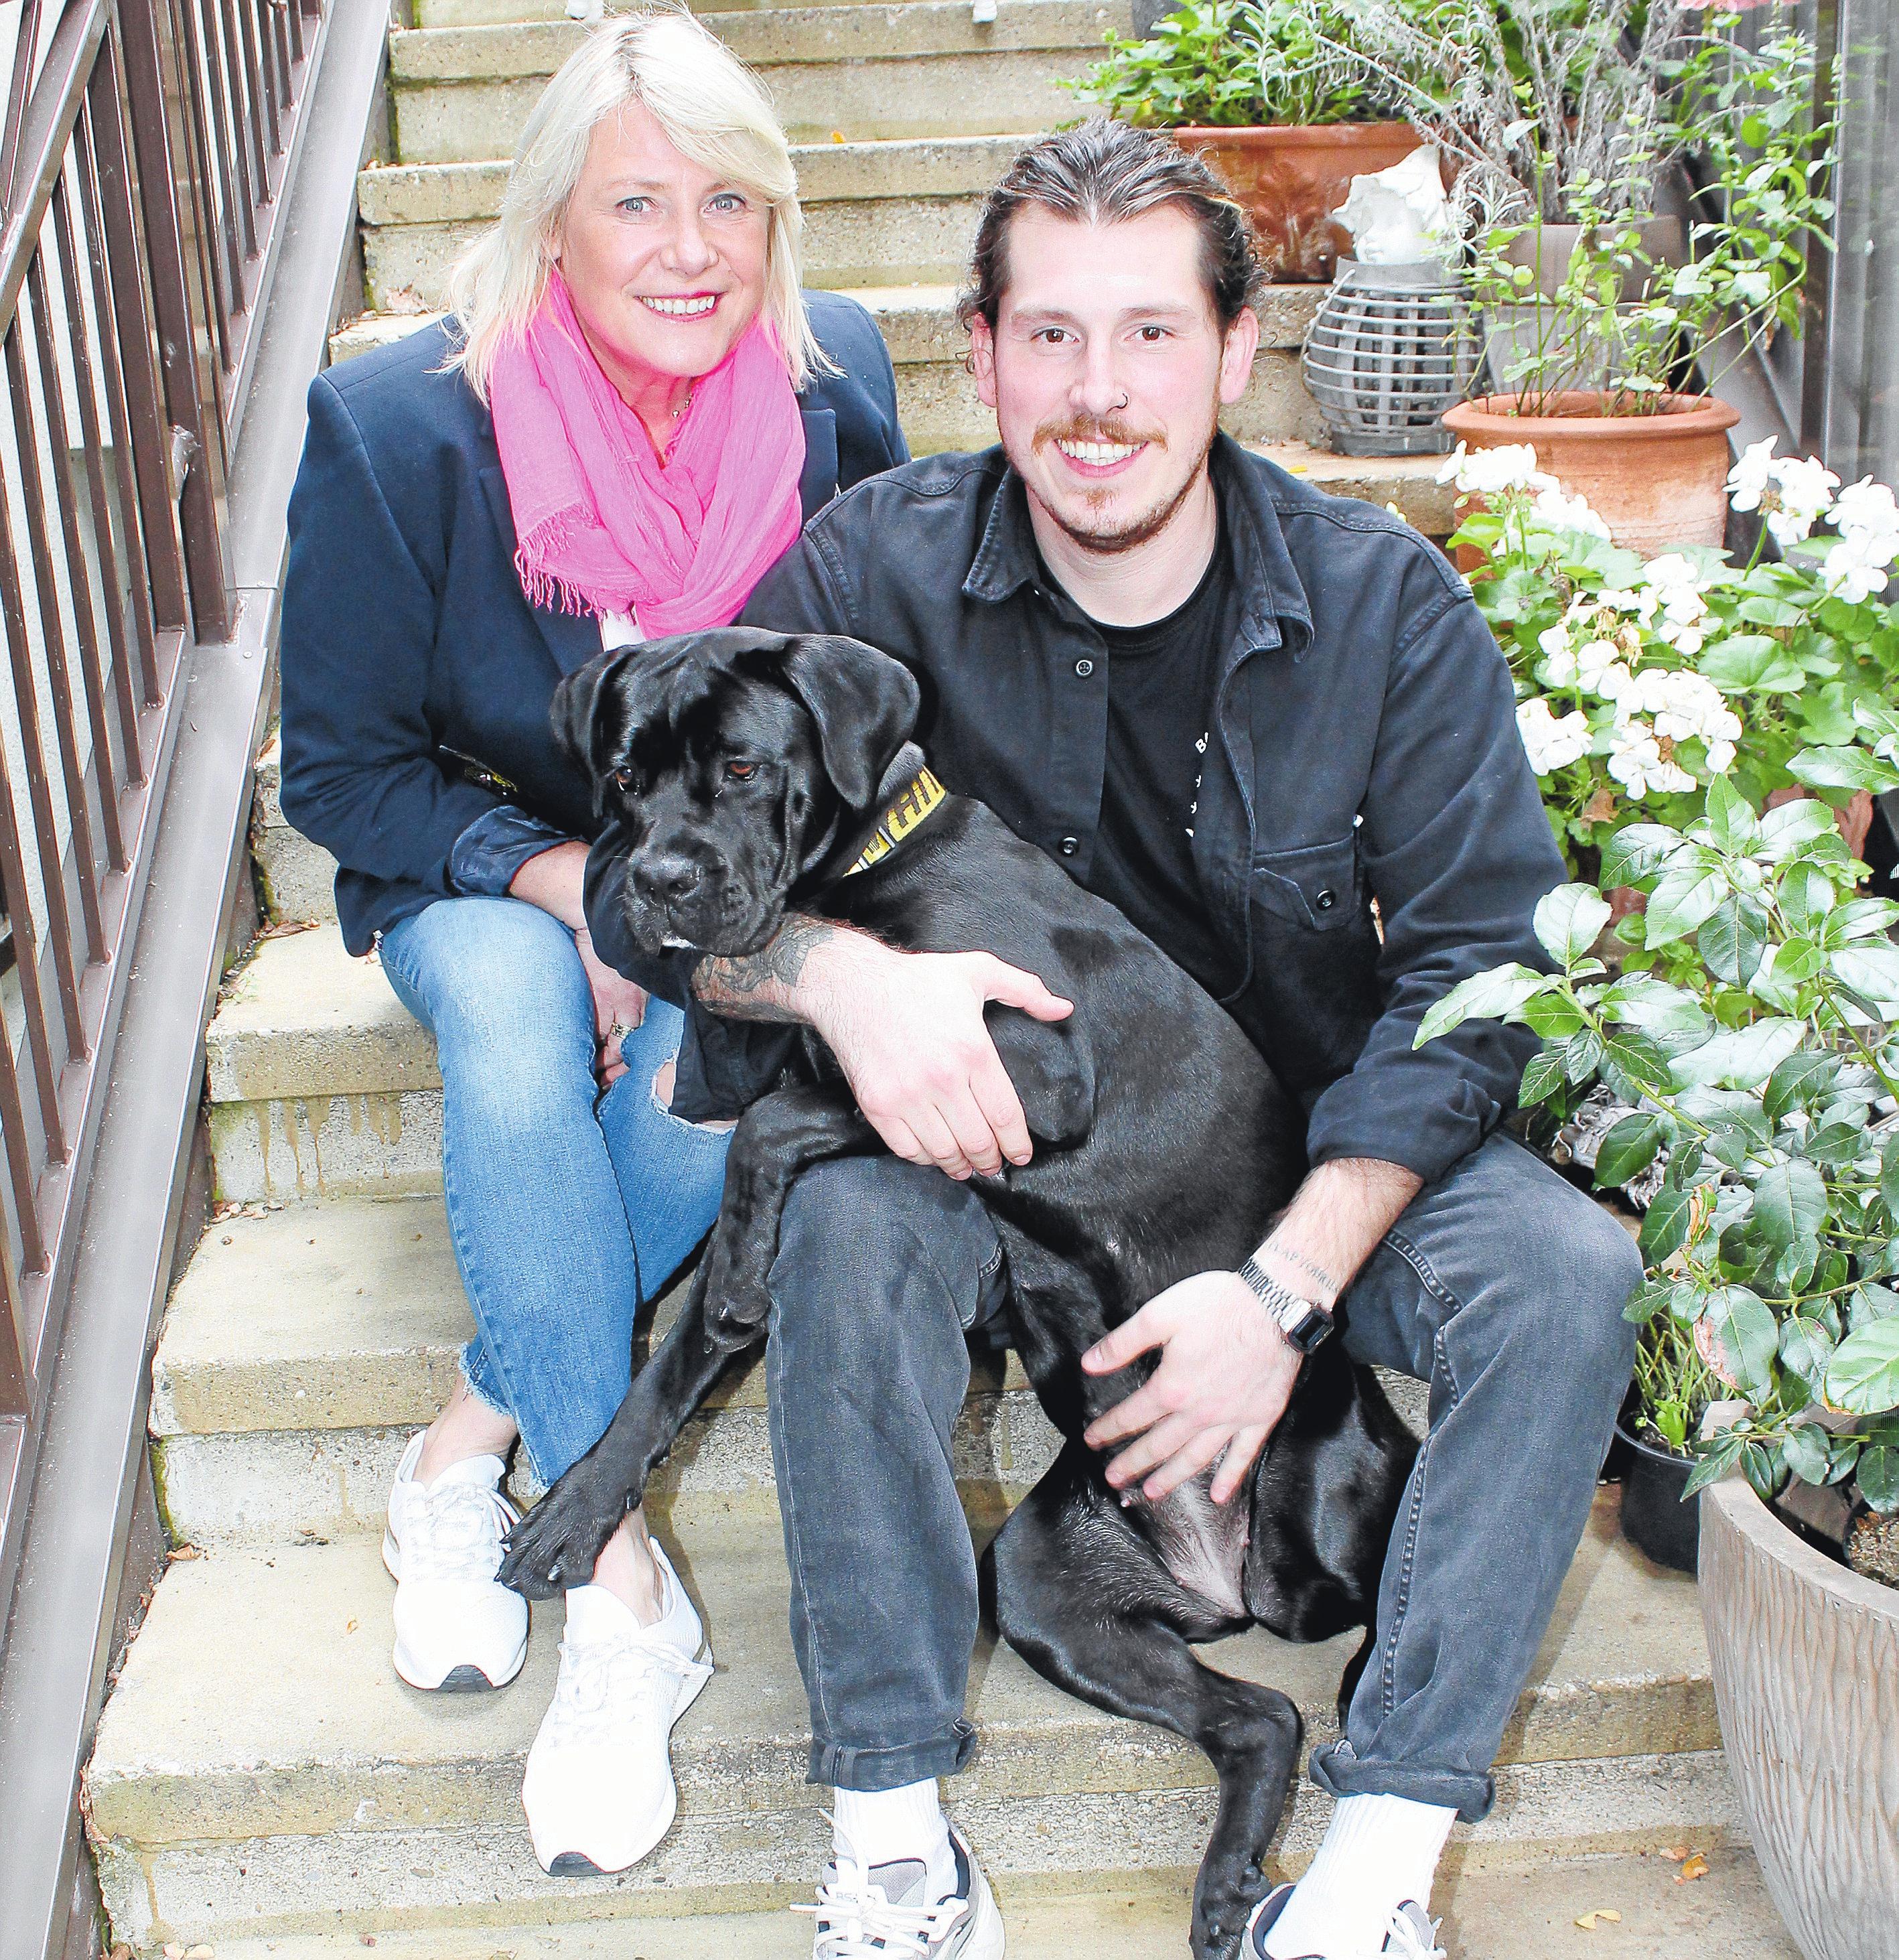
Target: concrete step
260	1771
297	879
921	69
1512	1914
306	1344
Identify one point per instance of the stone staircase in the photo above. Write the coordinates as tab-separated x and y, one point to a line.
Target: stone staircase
261	1782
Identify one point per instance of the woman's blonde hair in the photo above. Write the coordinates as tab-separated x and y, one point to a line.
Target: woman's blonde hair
709	106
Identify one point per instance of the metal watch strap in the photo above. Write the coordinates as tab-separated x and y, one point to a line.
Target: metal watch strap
1303	1324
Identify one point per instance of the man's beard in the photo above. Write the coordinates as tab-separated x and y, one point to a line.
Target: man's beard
1110	537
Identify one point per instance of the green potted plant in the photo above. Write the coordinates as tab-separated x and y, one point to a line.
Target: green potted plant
1641	681
1252	85
1758	1048
1559	118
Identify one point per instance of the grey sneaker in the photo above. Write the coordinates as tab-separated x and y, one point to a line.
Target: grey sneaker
1411	1936
881	1914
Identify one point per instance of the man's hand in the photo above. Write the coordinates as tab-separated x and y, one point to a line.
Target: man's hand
1225	1375
908	1030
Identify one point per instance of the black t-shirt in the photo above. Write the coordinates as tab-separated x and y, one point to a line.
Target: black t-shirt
1161	681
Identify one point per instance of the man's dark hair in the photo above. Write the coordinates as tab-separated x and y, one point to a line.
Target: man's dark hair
1100	173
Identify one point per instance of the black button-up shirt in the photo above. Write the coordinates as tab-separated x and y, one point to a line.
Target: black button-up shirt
1364	748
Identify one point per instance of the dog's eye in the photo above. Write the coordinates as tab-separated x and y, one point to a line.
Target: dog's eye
742	773
623	779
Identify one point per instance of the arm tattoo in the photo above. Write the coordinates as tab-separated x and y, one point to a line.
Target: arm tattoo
1310	1267
758	986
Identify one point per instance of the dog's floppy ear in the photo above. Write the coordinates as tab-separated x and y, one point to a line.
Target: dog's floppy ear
864	703
585	722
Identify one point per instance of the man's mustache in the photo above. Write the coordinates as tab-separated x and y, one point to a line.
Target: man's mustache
1086	429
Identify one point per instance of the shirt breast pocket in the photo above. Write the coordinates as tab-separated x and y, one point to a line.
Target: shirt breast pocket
1314	959
1318	886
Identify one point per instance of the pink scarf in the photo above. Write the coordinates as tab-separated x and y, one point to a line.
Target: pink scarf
602	525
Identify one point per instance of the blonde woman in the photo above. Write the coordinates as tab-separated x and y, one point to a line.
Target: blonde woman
619	430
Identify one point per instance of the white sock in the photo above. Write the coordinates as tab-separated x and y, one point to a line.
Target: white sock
1377	1852
880	1827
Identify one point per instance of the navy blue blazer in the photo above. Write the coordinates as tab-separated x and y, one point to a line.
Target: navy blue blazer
416	677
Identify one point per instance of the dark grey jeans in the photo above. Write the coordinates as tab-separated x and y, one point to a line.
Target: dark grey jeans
1501	1286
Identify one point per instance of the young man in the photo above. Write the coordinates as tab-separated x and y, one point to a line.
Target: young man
1241	711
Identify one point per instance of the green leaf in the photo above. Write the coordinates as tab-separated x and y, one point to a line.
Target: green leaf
1717	1461
1489	996
1684	895
1634	1062
1790	1203
1641	1001
1749	1336
1628	1150
1805	1448
1853	768
1647	1300
1543	1076
1788	827
1762	1468
1870	972
1798	1082
1665	1226
1869	1302
1742	1059
1752	663
1568	919
1863	1377
1551	1016
1878	1476
1805	1348
1731	820
1834	1144
1636	852
1733	940
1581	1053
1889	1177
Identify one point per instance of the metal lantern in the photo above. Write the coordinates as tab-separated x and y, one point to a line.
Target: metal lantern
1390	349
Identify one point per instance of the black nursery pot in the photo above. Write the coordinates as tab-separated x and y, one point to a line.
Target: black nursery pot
1654	1520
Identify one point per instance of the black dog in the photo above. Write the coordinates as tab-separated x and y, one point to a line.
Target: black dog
751	771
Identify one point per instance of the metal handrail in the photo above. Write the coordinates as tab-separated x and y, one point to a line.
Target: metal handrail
142	154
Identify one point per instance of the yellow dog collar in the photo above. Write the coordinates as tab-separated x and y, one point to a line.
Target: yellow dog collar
903	817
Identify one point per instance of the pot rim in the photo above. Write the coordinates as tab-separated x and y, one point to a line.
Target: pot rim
1296	135
1655	1453
1741	1511
1710	416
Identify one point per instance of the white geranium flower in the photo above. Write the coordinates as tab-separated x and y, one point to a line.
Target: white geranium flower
1869	509
1804	487
1551	744
1747	481
1855	568
1721	754
1594	658
1635	756
1568	514
1687	705
1490	472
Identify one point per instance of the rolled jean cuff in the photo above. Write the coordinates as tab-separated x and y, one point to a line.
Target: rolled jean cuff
1338	1771
843	1768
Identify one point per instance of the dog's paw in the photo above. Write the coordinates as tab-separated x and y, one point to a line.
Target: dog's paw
1223	1901
557	1544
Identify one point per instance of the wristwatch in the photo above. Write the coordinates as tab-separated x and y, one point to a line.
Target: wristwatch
1302	1322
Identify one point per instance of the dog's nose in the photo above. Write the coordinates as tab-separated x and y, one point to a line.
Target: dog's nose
667	879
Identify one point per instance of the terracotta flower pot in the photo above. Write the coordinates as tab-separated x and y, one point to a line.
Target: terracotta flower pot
1805	1660
1291	179
1656	481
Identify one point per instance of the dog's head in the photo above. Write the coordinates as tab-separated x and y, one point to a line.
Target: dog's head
733	759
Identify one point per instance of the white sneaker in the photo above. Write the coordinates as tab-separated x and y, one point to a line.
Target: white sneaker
881	1914
598	1790
456	1629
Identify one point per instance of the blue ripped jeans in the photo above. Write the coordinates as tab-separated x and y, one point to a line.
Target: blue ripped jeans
567	1207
